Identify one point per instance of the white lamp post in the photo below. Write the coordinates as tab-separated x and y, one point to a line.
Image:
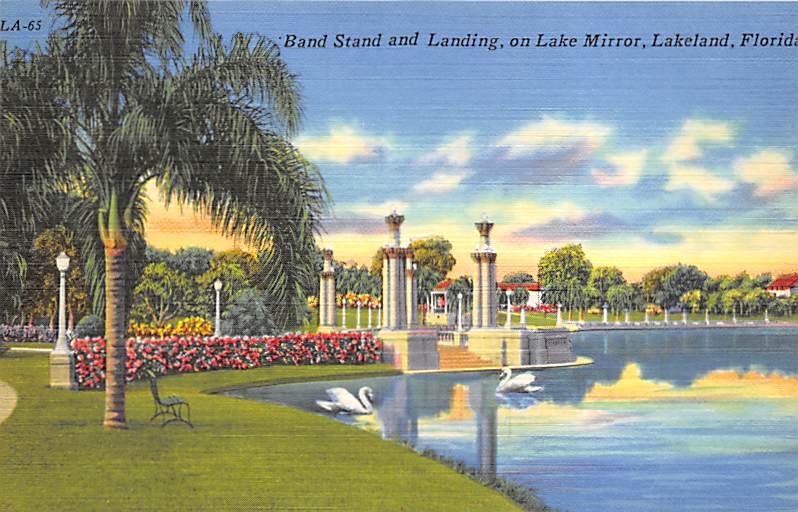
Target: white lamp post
62	263
706	316
357	326
626	315
645	320
217	285
684	316
61	364
459	311
509	322
559	315
604	319
767	320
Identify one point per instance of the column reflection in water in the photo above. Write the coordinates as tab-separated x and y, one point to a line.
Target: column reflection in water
398	415
481	396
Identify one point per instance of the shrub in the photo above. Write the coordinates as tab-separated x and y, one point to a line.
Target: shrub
191	326
194	354
90	326
249	315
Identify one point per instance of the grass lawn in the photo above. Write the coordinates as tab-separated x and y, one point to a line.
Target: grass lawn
55	455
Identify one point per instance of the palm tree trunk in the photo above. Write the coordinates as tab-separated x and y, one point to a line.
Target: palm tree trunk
115	273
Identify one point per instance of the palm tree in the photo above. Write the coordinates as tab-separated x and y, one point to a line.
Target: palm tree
210	130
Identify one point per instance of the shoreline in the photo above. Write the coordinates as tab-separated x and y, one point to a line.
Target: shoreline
695	326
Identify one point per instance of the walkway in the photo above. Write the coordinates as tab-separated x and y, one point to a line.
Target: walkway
8	401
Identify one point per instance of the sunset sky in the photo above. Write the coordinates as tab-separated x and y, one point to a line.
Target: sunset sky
645	156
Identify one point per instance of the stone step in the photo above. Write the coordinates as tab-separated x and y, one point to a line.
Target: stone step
457	357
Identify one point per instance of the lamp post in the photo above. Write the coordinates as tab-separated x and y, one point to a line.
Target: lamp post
61	363
684	317
509	323
559	315
357	324
706	316
645	320
626	315
62	263
217	331
604	314
459	311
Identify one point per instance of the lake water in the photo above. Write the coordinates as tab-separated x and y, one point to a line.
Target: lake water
666	420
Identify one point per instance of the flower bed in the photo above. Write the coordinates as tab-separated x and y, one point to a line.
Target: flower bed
195	354
27	334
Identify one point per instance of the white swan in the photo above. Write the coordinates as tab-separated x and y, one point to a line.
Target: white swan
344	402
519	384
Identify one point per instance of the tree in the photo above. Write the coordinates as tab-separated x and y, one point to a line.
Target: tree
192	261
43	279
694	299
434	253
680	280
652	282
603	278
620	297
121	105
161	294
731	299
519	278
562	273
756	300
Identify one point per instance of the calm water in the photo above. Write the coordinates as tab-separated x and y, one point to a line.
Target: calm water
668	420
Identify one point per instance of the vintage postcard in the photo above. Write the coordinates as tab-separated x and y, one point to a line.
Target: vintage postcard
372	256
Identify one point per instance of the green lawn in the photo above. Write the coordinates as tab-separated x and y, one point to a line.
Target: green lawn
55	455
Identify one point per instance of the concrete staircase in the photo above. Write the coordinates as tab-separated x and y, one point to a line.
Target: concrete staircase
457	358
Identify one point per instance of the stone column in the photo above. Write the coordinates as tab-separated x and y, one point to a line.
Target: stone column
385	317
411	290
327	291
485	300
476	296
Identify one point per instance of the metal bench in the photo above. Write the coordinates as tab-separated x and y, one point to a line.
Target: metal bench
170	409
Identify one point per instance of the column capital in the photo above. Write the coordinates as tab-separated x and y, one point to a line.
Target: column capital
480	256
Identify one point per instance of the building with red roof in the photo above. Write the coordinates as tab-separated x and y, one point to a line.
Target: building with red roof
784	286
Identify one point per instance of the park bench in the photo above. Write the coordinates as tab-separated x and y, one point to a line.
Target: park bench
170	409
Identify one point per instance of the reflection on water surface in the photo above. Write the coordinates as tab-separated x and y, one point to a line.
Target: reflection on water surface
664	420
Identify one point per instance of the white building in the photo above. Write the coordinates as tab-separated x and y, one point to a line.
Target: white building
784	286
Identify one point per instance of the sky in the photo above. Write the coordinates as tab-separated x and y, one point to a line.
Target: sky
645	156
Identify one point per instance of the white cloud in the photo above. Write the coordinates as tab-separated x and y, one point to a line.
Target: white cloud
441	181
379	210
697	179
687	145
626	169
343	145
769	171
553	135
456	152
